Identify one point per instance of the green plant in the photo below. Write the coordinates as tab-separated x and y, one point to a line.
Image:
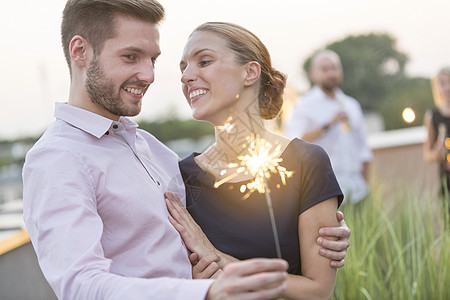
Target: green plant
399	249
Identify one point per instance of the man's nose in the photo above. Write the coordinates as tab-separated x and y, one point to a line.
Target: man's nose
147	72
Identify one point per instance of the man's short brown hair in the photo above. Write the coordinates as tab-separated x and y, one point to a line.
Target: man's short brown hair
94	19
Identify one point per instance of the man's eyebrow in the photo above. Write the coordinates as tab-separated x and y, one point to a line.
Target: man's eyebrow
133	49
137	50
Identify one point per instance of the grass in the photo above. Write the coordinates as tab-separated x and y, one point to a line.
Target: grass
400	249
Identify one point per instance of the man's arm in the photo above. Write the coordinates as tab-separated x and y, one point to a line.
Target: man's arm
66	231
314	134
258	278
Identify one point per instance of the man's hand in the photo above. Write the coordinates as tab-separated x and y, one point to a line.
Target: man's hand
257	279
336	250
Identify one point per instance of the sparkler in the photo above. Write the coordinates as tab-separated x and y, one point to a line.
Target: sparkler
263	160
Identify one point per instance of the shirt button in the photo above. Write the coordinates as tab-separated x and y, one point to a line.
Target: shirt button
115	126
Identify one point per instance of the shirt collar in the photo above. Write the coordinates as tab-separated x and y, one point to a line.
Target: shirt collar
87	121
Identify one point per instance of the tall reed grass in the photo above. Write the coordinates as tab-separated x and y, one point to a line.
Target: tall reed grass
400	249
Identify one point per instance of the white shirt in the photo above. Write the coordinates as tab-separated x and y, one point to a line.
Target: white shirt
347	149
95	211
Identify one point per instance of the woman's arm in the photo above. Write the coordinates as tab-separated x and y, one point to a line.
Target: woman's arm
432	150
193	236
336	250
334	241
318	277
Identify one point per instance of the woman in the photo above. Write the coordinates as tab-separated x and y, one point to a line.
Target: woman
437	122
228	81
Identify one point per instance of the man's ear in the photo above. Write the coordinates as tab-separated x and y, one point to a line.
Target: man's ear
253	71
312	74
78	49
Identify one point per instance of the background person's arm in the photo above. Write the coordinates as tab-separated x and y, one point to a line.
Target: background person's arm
433	151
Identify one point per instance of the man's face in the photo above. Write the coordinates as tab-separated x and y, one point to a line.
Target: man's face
327	74
119	76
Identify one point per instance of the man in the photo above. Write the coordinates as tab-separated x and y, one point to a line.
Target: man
94	184
333	120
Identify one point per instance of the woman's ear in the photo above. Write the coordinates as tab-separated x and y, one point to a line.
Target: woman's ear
78	49
253	71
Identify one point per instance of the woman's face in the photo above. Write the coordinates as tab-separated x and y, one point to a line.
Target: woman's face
444	84
212	79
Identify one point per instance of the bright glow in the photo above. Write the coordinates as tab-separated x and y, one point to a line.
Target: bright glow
227	125
262	160
447	143
409	115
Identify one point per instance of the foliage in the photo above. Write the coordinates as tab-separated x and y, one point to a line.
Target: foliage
372	66
411	92
174	129
397	251
6	146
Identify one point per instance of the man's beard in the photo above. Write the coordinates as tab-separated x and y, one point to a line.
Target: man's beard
101	90
329	86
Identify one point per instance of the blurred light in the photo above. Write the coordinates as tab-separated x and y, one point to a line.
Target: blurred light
447	143
408	115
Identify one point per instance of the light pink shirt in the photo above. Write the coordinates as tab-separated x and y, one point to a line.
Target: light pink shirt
95	211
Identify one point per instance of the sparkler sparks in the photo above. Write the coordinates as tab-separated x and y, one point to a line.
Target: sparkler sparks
228	125
262	160
260	163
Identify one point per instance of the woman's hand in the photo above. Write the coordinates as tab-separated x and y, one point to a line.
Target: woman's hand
439	152
192	235
336	250
206	267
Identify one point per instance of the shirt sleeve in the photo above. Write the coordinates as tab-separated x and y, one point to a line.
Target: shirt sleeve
298	124
65	229
317	179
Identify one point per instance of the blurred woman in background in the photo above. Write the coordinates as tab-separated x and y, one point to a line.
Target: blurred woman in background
437	123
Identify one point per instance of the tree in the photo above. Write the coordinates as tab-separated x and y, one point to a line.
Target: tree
173	129
372	66
410	92
374	74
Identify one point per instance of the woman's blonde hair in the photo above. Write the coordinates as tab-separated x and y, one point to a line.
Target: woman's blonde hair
436	87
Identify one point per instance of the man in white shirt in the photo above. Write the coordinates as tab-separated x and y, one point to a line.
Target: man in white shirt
333	120
94	184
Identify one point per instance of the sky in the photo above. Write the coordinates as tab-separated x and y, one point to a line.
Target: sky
34	74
